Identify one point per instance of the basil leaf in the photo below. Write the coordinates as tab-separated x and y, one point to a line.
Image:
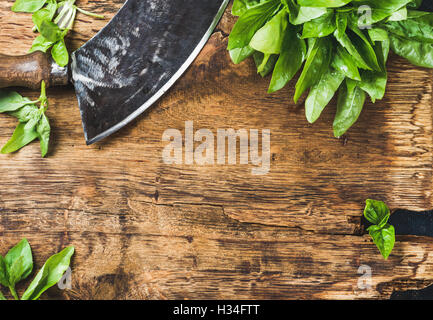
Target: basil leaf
11	101
392	5
4	276
19	262
269	38
363	45
318	60
251	21
240	54
351	100
320	27
240	6
46	13
26	113
28	5
43	129
418	53
305	14
265	62
374	82
378	34
41	44
290	60
323	3
418	29
384	238
60	54
377	212
344	63
50	31
399	15
51	273
321	94
19	139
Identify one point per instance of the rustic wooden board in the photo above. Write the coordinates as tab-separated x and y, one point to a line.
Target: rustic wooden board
144	229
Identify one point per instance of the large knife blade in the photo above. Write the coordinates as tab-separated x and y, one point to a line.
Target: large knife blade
129	64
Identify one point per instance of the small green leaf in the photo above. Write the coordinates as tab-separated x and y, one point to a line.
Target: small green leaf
240	54
50	31
43	129
344	63
20	138
60	54
320	27
377	212
318	60
321	94
290	61
240	6
417	52
270	37
25	113
384	238
28	5
351	100
251	21
265	63
305	14
49	275
46	13
40	44
19	262
2	297
382	233
11	101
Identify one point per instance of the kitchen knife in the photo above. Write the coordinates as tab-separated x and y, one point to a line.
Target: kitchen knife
128	65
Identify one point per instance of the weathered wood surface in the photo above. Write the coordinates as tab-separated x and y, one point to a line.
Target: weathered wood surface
146	230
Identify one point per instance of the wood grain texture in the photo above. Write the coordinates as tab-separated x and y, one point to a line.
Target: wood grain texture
147	230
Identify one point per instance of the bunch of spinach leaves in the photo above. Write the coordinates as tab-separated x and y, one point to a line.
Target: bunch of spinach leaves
32	121
53	28
17	265
342	45
382	233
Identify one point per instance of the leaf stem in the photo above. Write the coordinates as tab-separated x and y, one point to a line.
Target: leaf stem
14	292
91	14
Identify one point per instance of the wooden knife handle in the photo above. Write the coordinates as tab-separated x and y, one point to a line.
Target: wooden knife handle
29	71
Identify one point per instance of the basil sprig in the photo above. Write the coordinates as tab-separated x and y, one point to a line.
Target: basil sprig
338	49
17	265
32	122
53	28
382	233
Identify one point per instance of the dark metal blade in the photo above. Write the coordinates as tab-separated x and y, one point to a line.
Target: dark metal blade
137	57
